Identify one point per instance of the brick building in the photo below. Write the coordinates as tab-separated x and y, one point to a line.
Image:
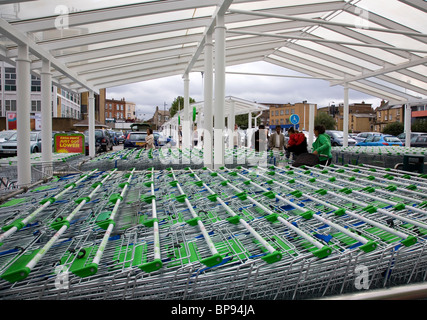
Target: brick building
280	114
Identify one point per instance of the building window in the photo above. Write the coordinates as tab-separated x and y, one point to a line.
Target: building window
281	121
390	118
277	112
10	79
35	84
272	113
292	111
10	105
281	112
385	118
379	114
36	106
287	112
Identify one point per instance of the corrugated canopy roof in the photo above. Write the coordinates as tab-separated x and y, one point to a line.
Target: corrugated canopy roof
376	47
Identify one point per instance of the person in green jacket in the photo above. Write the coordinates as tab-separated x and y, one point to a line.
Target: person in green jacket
322	146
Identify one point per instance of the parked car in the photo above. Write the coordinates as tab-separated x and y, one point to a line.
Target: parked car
380	141
10	147
103	140
5	135
419	141
161	140
363	135
402	136
337	138
135	140
120	136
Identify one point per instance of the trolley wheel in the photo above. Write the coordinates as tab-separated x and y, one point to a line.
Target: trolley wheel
59	219
81	253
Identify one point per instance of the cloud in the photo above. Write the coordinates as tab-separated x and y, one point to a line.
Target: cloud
262	89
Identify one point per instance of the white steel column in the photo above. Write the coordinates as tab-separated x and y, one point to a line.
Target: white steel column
249	132
311	125
23	104
231	123
91	124
407	125
345	123
219	91
208	103
46	101
186	118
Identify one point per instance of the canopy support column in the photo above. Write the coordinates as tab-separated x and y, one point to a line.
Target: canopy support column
186	122
219	91
231	123
23	115
207	105
407	125
91	124
46	101
346	115
311	125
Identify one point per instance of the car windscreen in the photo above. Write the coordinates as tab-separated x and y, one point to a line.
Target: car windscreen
137	136
6	134
391	139
337	134
13	137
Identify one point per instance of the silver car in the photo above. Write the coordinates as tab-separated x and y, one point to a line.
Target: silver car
10	147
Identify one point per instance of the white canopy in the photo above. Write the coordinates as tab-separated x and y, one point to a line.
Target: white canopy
376	47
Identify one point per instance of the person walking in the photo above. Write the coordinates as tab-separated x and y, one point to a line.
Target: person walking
297	143
276	142
322	145
149	139
236	136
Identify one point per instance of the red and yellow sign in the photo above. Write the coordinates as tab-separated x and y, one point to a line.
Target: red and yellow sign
69	143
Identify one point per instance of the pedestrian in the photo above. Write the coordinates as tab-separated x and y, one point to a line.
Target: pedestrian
297	143
236	137
149	139
276	141
195	137
322	146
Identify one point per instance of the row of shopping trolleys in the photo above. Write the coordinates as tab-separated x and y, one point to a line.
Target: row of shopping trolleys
151	224
177	158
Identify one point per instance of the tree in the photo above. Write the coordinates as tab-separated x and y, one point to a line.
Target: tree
419	125
178	103
326	120
394	128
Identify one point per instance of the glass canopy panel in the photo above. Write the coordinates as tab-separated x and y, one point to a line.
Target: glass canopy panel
269	4
143	39
320	61
339	55
47	8
409	80
380	53
289	63
398	12
149	20
421	69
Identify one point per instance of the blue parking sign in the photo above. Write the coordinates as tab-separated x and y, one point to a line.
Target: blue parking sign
294	119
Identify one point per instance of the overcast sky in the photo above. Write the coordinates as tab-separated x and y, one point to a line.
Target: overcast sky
262	89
